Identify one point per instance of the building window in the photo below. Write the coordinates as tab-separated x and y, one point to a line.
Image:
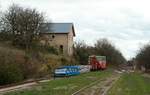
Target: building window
61	48
53	36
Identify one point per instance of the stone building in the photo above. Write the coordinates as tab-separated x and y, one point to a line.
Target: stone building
59	35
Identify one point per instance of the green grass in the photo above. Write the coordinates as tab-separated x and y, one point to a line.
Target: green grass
131	84
64	86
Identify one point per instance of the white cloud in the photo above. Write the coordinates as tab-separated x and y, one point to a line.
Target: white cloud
124	22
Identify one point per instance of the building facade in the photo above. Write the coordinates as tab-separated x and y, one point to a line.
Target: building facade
59	35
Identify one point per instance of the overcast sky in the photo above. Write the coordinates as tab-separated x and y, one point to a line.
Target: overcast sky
126	23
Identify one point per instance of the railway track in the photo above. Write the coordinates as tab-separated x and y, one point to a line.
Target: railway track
99	87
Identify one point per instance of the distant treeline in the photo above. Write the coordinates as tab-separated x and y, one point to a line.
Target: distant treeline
142	58
102	47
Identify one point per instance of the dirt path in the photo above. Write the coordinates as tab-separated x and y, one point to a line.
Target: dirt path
100	87
20	87
146	75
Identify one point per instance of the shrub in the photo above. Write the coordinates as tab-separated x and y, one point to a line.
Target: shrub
10	70
143	57
10	73
64	61
52	62
34	66
44	49
68	60
51	50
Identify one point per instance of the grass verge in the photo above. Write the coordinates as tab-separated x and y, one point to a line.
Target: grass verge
65	86
131	84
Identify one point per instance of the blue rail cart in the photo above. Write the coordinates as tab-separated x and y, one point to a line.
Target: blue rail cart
67	71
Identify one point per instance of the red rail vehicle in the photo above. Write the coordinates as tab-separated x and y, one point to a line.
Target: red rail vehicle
97	62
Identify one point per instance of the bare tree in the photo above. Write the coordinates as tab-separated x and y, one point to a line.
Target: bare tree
81	52
0	18
23	24
106	48
1	34
143	57
102	47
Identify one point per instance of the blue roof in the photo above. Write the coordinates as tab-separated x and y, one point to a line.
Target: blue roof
57	28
